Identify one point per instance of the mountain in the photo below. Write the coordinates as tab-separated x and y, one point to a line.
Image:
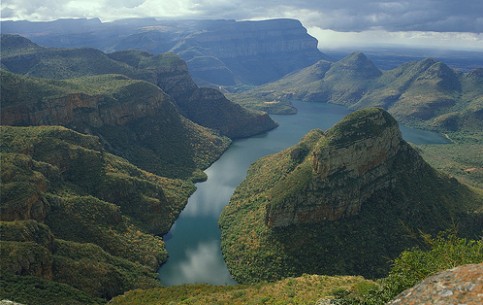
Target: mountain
77	221
134	119
205	106
168	71
218	52
345	201
425	93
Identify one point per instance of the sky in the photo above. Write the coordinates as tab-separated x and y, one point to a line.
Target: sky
454	24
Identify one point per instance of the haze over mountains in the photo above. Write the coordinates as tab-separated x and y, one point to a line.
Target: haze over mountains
104	134
219	52
424	93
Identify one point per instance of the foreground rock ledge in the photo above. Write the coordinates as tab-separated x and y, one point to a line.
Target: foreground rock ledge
461	285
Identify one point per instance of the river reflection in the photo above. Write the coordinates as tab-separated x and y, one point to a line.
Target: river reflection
193	243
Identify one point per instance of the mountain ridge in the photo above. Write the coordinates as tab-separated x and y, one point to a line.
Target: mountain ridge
326	196
272	48
426	93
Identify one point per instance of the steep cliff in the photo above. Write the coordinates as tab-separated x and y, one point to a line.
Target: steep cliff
340	202
167	71
72	213
207	107
218	52
253	52
134	119
349	164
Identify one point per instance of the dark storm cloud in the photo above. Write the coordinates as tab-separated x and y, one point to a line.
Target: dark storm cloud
338	15
357	15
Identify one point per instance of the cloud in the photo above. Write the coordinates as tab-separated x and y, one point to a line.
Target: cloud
337	15
203	264
329	39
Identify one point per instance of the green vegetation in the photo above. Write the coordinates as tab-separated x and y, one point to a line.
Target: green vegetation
306	289
168	72
112	106
442	252
74	214
424	94
435	254
419	198
272	107
33	290
462	158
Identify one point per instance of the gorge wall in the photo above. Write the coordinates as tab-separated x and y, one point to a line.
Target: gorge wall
344	201
218	52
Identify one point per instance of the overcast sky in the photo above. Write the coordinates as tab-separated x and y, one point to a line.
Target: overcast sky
445	23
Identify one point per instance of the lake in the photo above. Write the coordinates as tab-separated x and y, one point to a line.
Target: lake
193	242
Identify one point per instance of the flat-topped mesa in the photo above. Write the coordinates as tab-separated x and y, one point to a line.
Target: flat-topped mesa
345	167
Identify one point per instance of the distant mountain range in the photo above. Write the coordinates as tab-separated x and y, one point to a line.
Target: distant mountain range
426	93
217	52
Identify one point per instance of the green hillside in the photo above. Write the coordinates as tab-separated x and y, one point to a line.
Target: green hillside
74	214
426	93
341	202
440	253
134	119
167	71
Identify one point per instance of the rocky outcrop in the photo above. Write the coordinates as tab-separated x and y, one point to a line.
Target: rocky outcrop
205	106
167	71
134	119
218	52
79	110
349	164
344	201
255	52
460	285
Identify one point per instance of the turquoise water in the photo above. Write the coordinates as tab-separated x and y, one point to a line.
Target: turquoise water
193	243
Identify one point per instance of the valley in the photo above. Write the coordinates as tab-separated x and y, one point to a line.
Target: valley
140	165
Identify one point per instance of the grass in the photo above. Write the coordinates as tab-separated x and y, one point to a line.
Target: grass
425	94
306	289
419	199
75	214
463	158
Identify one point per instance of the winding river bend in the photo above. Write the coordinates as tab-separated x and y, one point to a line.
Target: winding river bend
193	243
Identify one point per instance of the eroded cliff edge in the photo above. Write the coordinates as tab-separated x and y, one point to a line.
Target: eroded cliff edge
344	201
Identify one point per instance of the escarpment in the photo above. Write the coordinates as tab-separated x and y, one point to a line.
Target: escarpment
134	119
205	106
346	167
343	201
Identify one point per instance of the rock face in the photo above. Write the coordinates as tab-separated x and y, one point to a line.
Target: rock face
134	119
461	285
353	163
253	52
218	52
344	201
206	107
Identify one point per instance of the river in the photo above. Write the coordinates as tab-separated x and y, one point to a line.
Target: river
193	242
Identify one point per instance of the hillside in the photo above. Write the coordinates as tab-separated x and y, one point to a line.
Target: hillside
426	93
345	201
168	71
218	52
409	269
74	214
133	119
